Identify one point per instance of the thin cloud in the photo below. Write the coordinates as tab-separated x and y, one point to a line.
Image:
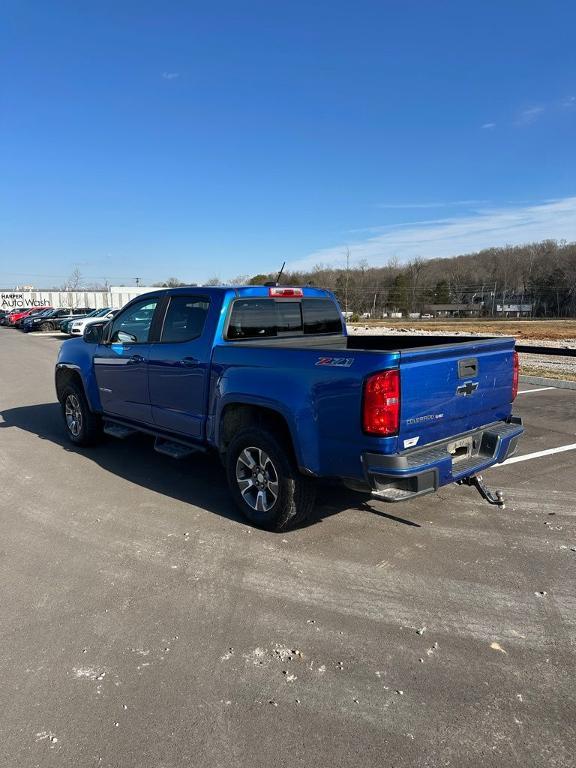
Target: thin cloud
552	219
170	75
438	204
532	114
529	116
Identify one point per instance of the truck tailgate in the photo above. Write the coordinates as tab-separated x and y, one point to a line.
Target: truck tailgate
450	389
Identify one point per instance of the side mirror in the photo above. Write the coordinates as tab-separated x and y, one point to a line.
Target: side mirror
93	333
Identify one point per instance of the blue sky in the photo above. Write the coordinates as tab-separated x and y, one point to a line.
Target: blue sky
193	139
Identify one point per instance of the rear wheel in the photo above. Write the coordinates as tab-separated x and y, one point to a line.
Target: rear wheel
82	426
264	482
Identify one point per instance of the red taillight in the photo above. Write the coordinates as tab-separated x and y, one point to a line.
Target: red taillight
515	375
381	407
285	292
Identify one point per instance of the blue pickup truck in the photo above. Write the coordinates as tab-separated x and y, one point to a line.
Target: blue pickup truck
267	377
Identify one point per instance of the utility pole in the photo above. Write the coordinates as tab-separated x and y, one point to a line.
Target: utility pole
346	283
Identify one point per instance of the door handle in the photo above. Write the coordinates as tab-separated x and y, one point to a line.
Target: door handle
188	362
135	360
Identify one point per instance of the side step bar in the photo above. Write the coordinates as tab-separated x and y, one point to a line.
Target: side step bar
118	430
176	450
172	448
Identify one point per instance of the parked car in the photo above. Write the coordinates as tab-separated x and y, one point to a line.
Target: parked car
76	327
51	320
66	324
9	315
4	313
77	312
18	318
266	377
21	313
26	323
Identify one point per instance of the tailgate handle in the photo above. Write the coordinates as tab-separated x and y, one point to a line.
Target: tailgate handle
468	368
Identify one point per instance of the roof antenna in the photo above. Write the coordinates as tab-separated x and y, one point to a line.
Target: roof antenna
280	273
275	282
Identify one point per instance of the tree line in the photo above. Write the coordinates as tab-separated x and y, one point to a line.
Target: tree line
539	275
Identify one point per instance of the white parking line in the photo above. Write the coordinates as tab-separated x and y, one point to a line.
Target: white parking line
537	455
540	389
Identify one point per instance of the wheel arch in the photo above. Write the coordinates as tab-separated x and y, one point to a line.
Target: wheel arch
67	374
236	416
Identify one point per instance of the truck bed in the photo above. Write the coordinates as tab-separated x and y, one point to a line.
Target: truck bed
367	343
449	384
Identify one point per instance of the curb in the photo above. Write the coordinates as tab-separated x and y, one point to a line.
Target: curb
544	382
49	334
534	349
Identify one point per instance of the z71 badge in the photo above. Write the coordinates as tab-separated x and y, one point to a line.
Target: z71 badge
338	362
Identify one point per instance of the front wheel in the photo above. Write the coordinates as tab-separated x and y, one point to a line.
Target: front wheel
82	426
264	482
46	327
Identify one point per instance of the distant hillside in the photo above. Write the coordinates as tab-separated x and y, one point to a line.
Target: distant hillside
540	274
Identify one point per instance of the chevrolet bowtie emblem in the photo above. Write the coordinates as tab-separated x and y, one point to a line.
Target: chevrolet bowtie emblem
468	388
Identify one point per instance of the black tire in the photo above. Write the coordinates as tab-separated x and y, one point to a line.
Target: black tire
86	428
294	500
46	327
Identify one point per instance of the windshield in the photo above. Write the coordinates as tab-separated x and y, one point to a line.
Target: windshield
99	312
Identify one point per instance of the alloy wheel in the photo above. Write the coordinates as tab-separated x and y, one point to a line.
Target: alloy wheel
73	413
257	479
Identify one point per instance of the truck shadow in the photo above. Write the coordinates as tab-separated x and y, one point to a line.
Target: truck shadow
200	480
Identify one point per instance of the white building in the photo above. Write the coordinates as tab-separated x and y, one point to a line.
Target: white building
115	297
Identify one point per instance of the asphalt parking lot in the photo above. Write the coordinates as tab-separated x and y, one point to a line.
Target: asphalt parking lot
144	625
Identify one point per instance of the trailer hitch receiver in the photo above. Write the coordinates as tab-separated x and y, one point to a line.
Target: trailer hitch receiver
492	497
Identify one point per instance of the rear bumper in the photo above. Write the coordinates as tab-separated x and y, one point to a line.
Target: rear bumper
417	471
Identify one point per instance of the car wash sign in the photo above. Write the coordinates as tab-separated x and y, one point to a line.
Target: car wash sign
25	300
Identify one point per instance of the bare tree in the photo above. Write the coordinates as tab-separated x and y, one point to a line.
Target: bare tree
74	282
239	280
172	282
414	269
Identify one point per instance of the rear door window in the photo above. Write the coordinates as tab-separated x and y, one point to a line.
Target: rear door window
184	319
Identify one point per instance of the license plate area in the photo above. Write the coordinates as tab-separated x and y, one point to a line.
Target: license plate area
460	449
